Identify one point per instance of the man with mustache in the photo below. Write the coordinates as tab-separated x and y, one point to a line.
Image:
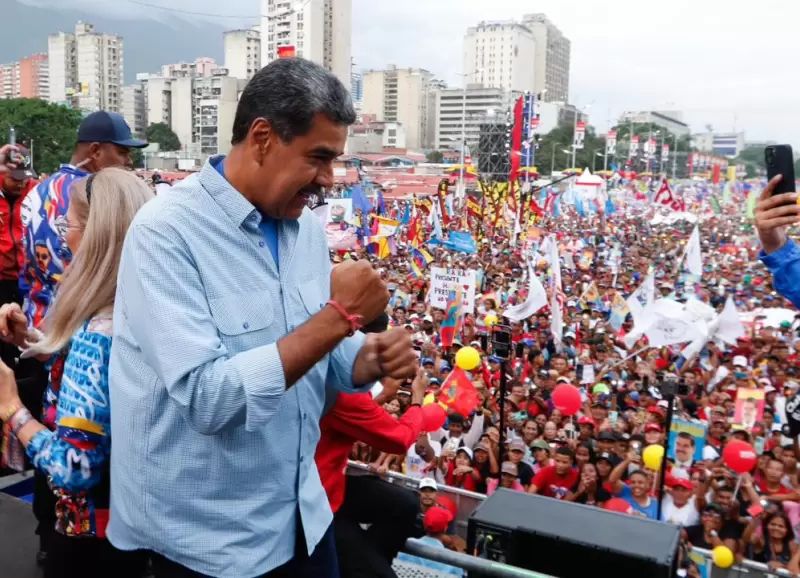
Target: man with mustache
229	323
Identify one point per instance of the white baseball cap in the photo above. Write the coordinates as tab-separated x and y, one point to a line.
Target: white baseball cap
428	483
740	361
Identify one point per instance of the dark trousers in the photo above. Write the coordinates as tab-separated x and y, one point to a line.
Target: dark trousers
320	564
32	380
91	558
391	511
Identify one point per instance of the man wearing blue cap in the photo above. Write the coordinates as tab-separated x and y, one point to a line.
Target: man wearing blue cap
104	140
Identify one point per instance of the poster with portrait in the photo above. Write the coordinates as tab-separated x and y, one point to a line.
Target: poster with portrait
341	210
686	442
749	407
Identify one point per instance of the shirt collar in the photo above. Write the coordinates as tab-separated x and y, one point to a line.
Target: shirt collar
231	201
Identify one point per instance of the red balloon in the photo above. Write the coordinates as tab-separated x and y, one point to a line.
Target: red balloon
433	417
739	456
567	399
448	503
618	505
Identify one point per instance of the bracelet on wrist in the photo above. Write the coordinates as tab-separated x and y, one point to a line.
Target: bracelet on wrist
19	419
417	404
12	410
355	321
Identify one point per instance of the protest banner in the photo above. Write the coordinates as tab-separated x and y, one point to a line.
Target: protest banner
444	280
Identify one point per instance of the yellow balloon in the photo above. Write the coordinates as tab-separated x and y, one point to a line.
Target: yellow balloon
468	358
490	320
652	456
722	556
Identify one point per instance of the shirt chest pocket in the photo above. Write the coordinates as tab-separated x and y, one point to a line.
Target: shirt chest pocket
244	320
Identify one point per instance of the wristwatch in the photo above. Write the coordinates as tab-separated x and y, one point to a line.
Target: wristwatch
713	533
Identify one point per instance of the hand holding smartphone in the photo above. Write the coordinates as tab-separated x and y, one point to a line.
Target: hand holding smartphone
780	161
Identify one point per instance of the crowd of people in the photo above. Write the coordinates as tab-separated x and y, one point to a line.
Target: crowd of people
247	362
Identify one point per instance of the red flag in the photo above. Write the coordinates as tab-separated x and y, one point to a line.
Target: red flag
458	394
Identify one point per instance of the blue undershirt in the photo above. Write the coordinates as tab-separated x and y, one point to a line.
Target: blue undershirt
268	225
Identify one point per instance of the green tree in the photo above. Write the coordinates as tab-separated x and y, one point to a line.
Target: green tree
137	156
51	128
551	153
162	134
434	157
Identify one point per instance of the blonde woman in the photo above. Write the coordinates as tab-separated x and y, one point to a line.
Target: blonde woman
75	456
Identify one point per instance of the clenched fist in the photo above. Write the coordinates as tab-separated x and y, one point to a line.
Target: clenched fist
357	287
387	354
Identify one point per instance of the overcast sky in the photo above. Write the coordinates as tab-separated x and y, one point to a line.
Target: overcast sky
720	62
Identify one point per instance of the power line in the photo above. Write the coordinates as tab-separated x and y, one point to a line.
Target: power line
231	16
192	12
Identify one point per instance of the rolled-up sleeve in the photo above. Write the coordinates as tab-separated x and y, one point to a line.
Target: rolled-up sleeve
784	264
167	311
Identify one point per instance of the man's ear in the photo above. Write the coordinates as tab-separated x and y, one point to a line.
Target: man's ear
260	138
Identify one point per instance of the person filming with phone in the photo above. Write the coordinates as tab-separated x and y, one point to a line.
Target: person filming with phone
776	211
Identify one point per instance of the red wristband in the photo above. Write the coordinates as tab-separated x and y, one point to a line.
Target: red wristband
353	320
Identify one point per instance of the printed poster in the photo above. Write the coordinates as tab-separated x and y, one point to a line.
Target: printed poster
341	210
686	441
749	407
444	280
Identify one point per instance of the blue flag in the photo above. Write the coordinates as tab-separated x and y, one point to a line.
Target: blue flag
360	201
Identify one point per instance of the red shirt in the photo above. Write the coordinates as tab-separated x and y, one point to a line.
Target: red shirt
356	417
550	484
762	487
463	481
12	254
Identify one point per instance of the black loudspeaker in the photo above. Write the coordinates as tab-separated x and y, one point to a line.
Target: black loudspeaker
570	540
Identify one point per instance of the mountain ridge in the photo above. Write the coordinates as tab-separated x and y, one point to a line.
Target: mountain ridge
148	43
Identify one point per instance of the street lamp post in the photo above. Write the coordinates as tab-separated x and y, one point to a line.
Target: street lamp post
675	157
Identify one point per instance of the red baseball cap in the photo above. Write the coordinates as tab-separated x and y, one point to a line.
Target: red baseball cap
682	483
653	427
586	420
437	520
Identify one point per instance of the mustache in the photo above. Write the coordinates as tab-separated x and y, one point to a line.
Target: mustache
315	196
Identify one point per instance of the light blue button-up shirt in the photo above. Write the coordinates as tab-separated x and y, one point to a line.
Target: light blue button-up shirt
213	457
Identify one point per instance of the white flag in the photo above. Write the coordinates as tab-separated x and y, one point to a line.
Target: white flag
537	298
694	260
644	296
556	321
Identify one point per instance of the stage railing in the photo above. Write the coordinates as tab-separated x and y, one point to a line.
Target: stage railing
467	502
747	568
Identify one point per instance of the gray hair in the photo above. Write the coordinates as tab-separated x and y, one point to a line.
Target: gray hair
289	93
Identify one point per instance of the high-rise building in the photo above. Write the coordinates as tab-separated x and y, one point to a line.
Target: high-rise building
202	66
318	30
197	106
500	55
357	90
551	66
34	76
463	112
133	109
9	80
243	52
61	56
86	69
401	95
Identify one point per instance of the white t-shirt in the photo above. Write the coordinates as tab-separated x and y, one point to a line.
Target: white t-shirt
685	516
415	465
